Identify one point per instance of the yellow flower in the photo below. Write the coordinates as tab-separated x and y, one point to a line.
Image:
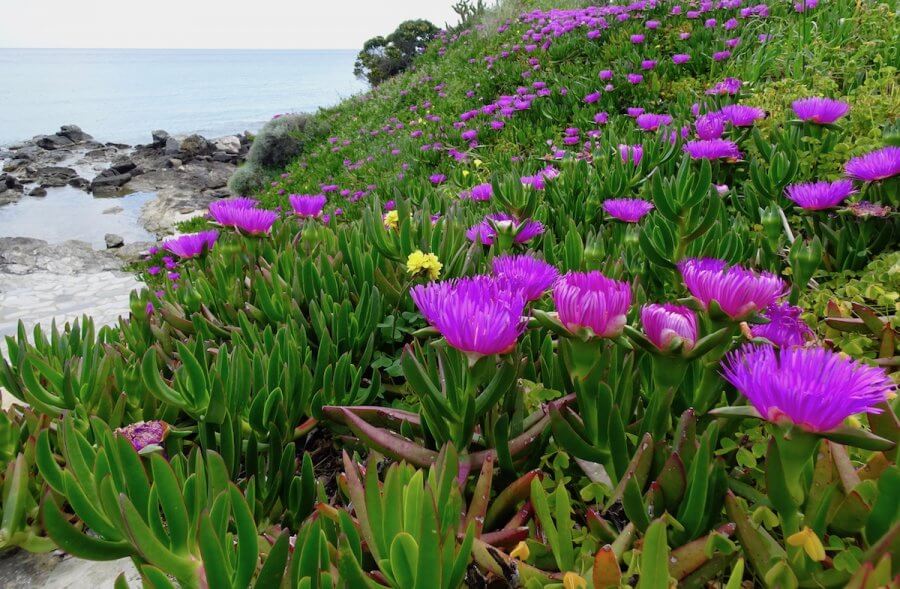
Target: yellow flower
478	163
392	219
465	173
810	543
520	551
574	581
419	264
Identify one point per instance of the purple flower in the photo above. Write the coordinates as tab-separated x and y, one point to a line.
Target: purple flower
601	118
634	78
652	122
590	300
637	39
669	325
469	135
592	98
630	210
632	153
144	433
525	273
821	111
736	290
710	126
241	202
479	192
740	115
721	55
816	196
153	270
307	205
191	245
437	179
876	165
785	328
680	58
149	309
813	388
712	149
486	231
606	75
479	316
249	220
727	86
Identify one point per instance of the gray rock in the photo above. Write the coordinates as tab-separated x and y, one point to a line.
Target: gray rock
55	176
172	146
228	144
10	182
25	255
160	137
53	141
174	163
113	211
113	179
74	133
195	145
81	183
113	241
38	191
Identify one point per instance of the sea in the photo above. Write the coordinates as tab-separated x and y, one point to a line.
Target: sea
121	95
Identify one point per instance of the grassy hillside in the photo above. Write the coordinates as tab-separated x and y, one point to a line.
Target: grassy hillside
593	296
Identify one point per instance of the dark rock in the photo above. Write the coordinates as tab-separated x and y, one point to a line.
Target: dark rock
195	145
160	138
113	210
106	179
53	141
113	241
53	176
74	133
172	146
224	157
81	183
9	182
38	191
123	167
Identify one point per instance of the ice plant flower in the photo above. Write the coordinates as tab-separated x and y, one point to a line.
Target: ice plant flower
680	58
785	327
816	196
144	433
254	221
486	231
713	149
479	192
422	264
668	325
437	179
710	126
880	164
629	210
821	111
867	209
741	115
652	122
631	153
307	205
590	300
736	290
478	316
525	273
391	220
190	245
813	388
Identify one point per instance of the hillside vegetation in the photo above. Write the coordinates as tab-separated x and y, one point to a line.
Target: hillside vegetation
590	296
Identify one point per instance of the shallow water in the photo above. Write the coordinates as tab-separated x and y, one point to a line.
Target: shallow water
69	213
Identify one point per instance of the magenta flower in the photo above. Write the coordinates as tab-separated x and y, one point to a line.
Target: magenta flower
249	220
307	205
652	122
727	86
710	126
737	291
785	327
813	388
740	115
191	245
680	58
590	300
634	78
486	231
479	192
592	98
437	179
637	39
241	202
144	433
669	325
713	149
631	153
876	165
816	196
527	274
478	316
821	111
469	135
630	210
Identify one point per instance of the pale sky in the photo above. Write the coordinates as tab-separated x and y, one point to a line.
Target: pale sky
244	24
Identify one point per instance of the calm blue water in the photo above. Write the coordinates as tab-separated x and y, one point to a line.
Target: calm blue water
122	94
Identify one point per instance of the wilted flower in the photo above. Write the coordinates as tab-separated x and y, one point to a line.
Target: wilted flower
741	115
820	110
307	205
816	196
391	219
876	165
191	245
592	301
813	388
667	325
713	149
526	273
479	316
421	264
810	542
785	327
144	433
865	209
630	210
736	290
486	231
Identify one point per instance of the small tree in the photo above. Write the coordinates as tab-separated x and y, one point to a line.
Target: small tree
384	57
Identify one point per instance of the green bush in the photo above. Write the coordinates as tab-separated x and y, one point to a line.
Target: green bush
247	179
385	57
283	139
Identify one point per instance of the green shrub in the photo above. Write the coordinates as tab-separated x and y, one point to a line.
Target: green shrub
283	138
247	179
